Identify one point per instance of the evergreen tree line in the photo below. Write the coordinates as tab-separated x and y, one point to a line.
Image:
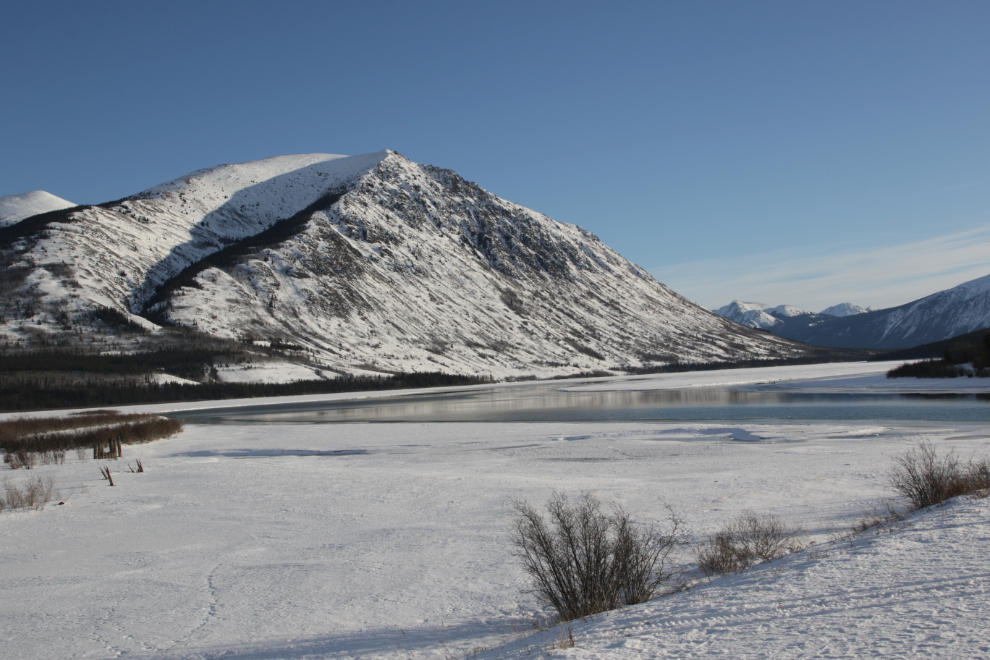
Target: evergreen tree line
34	395
186	363
976	353
824	356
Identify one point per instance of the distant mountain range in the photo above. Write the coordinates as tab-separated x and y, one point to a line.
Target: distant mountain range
362	264
956	311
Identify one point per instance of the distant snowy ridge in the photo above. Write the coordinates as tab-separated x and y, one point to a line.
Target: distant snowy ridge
372	263
14	208
760	315
956	311
752	315
846	309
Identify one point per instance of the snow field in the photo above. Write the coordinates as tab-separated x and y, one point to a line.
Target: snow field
918	592
390	540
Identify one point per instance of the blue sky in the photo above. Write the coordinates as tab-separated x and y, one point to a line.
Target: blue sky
788	152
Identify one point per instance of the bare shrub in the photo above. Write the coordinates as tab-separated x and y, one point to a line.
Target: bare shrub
585	560
721	554
81	453
19	427
643	556
978	477
20	459
34	494
101	428
52	456
924	477
748	540
883	522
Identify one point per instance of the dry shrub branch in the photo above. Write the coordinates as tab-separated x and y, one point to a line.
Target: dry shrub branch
34	494
583	559
748	540
127	429
20	427
925	478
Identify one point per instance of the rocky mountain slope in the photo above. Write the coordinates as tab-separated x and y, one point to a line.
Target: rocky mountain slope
361	264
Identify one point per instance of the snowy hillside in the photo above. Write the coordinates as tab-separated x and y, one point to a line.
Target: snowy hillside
14	208
367	263
919	591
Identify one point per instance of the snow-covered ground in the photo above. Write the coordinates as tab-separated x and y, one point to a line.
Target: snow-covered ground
922	591
390	541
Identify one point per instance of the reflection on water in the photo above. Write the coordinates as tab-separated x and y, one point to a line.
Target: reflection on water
532	403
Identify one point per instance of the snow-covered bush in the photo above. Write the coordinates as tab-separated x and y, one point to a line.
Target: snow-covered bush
746	541
585	560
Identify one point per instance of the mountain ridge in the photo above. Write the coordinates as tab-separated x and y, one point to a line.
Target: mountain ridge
14	208
401	267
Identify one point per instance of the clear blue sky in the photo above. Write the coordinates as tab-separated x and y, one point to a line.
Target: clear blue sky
711	143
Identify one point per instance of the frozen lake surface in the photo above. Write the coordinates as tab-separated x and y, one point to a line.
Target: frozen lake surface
548	403
826	392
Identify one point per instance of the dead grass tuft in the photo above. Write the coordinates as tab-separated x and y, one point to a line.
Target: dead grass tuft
748	540
37	492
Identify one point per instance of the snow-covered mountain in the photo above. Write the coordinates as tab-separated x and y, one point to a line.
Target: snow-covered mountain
14	208
942	315
846	309
760	315
750	314
787	310
369	263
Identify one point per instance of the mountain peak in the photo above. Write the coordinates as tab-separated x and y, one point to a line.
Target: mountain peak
14	208
845	309
370	262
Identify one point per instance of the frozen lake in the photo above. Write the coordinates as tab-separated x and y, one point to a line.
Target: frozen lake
549	403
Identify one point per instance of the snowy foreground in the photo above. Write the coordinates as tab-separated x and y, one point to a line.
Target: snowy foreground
390	541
